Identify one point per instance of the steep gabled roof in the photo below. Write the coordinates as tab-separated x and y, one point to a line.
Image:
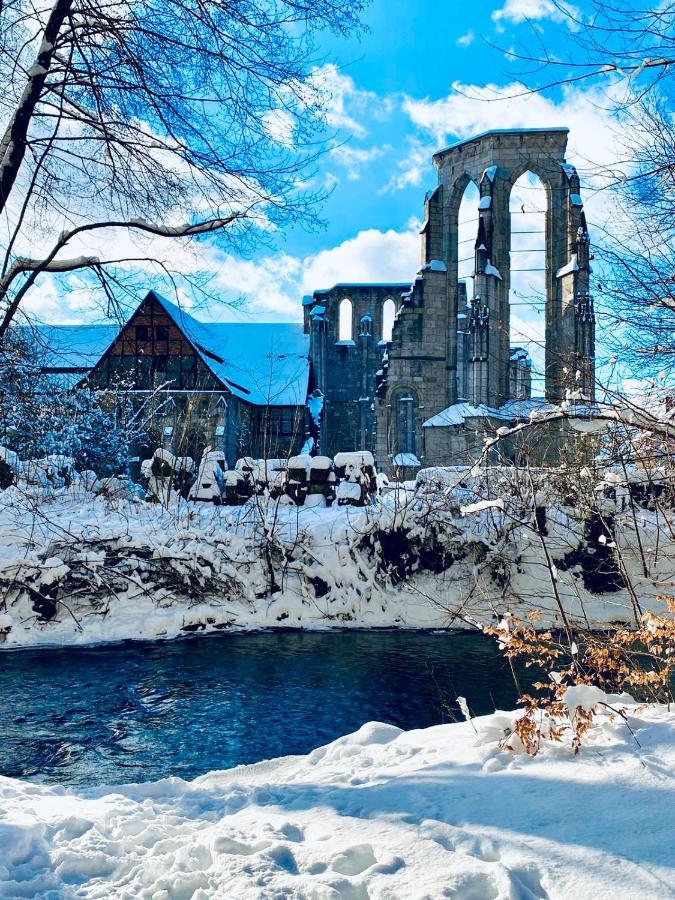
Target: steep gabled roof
263	363
77	347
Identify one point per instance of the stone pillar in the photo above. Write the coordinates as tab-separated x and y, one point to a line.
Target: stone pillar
575	344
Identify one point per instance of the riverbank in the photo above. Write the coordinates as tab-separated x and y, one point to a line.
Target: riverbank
76	569
380	813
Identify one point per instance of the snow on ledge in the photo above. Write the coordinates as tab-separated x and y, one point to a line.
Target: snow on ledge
492	270
572	266
435	265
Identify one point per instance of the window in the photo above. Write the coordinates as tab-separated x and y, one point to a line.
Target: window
405	412
161	332
345	324
280	420
142	333
287	420
388	313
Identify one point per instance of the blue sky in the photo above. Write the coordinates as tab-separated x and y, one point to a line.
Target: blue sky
412	51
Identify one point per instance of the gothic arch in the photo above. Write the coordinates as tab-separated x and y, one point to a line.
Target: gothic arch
451	215
345	320
388	316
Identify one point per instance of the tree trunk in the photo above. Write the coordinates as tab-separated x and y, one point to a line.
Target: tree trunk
13	146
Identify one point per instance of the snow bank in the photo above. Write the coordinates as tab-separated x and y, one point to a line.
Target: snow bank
376	814
129	570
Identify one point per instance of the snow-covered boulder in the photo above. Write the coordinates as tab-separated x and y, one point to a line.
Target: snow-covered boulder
209	485
357	468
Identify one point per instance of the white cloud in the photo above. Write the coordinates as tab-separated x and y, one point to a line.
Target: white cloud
354	158
342	99
371	255
517	11
271	287
467	39
275	285
280	126
413	168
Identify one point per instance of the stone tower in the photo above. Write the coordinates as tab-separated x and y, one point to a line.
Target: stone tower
436	325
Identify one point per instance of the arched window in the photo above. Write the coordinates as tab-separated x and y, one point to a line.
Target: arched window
467	228
388	313
527	293
345	323
404	407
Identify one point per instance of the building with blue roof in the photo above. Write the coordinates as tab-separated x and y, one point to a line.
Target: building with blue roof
237	387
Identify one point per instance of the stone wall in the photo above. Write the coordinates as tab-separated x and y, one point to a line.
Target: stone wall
345	370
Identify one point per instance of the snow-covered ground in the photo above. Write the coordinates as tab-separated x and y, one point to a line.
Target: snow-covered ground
381	813
79	569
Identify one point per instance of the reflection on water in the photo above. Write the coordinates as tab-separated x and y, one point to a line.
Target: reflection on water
139	712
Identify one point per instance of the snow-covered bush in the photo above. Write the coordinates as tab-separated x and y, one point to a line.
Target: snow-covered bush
41	418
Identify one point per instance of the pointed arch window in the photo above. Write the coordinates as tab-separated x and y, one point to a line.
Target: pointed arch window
345	320
388	314
404	405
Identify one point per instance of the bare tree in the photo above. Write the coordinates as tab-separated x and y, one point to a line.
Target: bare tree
629	50
162	118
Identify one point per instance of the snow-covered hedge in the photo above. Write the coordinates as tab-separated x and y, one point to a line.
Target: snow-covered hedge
457	548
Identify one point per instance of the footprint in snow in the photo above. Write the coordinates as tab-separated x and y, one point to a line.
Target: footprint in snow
292	832
225	844
354	860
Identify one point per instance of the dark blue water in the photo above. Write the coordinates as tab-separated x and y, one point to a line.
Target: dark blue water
139	712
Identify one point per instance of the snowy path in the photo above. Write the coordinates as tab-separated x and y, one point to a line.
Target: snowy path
377	814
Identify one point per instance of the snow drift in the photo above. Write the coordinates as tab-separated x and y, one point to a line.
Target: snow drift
381	813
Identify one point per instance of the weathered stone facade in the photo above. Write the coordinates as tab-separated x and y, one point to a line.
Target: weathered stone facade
345	364
414	373
449	372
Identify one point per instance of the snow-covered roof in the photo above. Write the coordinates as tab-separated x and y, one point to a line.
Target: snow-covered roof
512	409
521	409
263	363
458	412
71	346
406	459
